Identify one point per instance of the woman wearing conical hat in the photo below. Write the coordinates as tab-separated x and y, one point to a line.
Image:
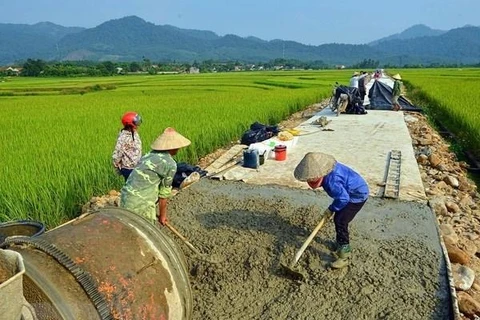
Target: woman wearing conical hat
151	180
396	92
354	80
348	190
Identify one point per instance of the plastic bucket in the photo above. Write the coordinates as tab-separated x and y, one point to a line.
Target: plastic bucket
20	228
280	152
262	158
251	159
11	285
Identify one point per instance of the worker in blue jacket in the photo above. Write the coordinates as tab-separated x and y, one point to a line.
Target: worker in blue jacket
348	190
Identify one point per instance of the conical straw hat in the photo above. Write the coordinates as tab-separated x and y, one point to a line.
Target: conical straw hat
170	140
314	165
397	77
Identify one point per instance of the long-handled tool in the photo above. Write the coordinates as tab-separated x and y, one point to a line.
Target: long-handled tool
234	160
178	234
189	245
217	175
290	269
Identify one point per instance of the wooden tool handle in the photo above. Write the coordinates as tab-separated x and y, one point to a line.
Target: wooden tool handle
309	239
183	238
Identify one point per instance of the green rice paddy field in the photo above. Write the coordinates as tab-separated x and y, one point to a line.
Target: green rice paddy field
58	134
451	96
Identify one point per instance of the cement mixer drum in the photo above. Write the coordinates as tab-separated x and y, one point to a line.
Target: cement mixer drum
111	264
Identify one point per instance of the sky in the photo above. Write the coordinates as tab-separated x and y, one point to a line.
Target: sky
311	22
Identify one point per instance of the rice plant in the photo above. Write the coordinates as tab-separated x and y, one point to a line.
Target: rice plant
58	134
450	97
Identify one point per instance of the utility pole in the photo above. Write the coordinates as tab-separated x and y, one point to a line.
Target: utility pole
283	51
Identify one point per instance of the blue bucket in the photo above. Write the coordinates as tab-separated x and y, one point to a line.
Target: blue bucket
20	228
251	159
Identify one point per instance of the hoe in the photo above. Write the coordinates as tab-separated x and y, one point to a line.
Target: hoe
290	270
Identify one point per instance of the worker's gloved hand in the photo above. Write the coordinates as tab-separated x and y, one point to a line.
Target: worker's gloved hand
327	213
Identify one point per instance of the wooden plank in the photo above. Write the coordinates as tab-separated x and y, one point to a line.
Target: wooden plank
226	159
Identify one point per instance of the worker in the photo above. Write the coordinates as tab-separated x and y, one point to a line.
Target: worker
363	80
354	80
151	180
128	149
348	190
396	92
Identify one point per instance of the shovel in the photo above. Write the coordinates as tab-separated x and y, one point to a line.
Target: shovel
189	245
290	269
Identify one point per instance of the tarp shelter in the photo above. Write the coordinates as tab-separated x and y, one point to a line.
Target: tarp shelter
380	96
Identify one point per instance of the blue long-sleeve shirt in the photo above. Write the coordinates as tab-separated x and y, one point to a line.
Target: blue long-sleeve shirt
344	185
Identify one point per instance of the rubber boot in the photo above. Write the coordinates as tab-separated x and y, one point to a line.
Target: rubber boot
343	257
333	246
342	251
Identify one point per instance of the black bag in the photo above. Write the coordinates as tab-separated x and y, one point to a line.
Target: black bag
356	108
183	171
355	103
259	132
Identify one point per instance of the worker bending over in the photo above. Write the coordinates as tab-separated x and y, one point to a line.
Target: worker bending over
151	180
348	190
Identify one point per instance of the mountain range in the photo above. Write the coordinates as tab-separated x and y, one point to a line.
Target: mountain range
133	39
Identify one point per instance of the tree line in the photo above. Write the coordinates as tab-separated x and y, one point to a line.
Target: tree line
41	68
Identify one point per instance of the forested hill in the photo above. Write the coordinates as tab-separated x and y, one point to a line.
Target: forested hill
22	41
133	39
460	45
416	31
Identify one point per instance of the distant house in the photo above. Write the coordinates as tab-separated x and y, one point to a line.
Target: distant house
120	70
339	66
238	68
10	71
194	70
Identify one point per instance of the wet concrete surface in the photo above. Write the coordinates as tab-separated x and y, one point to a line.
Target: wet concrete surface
397	269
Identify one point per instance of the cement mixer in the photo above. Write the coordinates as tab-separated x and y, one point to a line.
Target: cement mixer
110	264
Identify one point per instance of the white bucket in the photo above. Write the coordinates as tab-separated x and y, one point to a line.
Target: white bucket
11	289
13	305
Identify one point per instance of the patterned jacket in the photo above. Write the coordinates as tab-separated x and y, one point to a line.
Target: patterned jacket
397	88
128	150
151	179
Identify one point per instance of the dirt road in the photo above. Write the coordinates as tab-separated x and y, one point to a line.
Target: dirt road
397	270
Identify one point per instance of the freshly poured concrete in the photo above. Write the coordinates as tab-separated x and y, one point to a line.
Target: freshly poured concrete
397	268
